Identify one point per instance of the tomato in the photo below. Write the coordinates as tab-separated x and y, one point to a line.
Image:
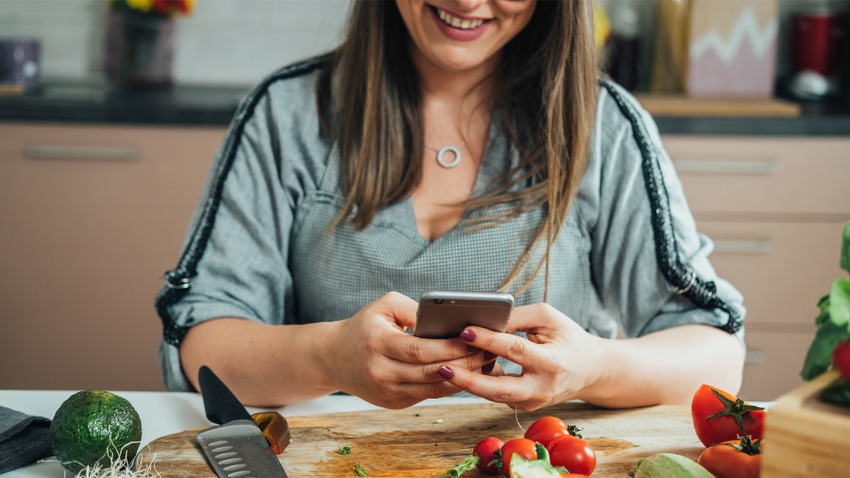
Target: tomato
486	450
572	453
841	358
713	429
546	429
725	460
522	446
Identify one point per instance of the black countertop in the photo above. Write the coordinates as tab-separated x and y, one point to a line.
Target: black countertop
187	105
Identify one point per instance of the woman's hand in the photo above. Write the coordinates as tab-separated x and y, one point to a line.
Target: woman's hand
370	356
558	360
561	361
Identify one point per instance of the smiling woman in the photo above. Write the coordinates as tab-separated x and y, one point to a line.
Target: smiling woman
449	145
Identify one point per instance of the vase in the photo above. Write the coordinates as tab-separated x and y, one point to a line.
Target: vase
139	50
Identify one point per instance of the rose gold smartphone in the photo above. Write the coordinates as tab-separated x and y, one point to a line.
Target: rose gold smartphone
444	314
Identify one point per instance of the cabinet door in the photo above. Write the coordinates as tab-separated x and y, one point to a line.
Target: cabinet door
760	178
782	269
90	219
774	361
775	208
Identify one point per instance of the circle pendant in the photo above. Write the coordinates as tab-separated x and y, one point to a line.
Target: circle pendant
443	151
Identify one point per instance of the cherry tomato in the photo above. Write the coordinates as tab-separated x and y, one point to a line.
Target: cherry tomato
546	429
841	358
723	428
485	451
572	453
724	460
522	446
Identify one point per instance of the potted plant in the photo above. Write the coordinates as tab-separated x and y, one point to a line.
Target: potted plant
139	49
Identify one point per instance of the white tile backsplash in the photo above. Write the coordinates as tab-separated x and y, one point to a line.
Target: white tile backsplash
221	42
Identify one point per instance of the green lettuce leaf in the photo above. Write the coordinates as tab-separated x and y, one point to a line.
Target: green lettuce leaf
839	303
845	248
817	359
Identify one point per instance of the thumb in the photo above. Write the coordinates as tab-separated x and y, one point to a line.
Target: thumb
398	308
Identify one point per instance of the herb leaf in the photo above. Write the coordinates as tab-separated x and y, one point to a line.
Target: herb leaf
359	470
344	450
461	468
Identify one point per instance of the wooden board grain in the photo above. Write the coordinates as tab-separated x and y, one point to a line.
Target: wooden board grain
426	441
805	436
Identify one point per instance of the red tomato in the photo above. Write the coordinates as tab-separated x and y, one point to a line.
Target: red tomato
523	446
546	429
723	428
485	451
841	358
572	453
726	461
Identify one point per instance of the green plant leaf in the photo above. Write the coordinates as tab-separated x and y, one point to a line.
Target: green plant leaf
839	303
823	305
817	359
845	248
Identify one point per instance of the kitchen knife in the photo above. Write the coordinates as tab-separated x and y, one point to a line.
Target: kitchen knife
236	447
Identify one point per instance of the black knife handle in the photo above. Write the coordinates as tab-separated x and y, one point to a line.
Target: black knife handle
220	404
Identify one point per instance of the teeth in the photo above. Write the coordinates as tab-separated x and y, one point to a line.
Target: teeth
457	22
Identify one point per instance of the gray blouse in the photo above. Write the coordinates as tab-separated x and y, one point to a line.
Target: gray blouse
259	246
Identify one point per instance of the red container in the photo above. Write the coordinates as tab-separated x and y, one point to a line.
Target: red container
817	37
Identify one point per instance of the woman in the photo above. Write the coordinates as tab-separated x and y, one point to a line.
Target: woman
455	145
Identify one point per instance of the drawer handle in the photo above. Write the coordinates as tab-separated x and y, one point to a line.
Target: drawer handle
705	166
741	246
100	153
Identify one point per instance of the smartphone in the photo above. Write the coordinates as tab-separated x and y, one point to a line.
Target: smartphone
444	314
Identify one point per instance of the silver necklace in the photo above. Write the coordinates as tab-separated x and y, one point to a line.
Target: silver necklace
454	149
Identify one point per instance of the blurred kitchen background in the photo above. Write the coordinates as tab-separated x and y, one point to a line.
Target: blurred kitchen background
110	119
225	42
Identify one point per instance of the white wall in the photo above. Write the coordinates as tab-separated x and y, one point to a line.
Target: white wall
221	42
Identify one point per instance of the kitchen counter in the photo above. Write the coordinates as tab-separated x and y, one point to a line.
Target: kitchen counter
165	413
214	106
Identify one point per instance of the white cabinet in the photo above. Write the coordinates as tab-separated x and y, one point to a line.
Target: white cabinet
90	219
775	208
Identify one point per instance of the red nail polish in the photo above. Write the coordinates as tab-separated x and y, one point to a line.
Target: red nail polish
489	356
468	335
488	367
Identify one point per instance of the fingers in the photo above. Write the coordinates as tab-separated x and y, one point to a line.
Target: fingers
398	308
534	317
512	390
512	347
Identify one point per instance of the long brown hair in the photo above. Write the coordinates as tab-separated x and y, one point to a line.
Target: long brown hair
369	103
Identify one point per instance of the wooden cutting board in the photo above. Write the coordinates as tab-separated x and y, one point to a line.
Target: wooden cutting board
427	440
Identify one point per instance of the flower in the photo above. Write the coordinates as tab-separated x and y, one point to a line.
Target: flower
160	8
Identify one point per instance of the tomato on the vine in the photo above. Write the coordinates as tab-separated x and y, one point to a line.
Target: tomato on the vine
522	446
486	450
546	429
715	415
731	459
572	453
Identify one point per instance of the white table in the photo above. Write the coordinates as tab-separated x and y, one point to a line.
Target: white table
164	413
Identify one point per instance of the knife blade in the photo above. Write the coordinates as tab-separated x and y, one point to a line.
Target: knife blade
236	447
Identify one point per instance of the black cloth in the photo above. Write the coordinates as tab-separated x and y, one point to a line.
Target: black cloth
24	439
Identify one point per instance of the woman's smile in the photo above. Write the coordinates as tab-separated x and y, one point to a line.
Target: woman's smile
456	35
456	21
458	27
